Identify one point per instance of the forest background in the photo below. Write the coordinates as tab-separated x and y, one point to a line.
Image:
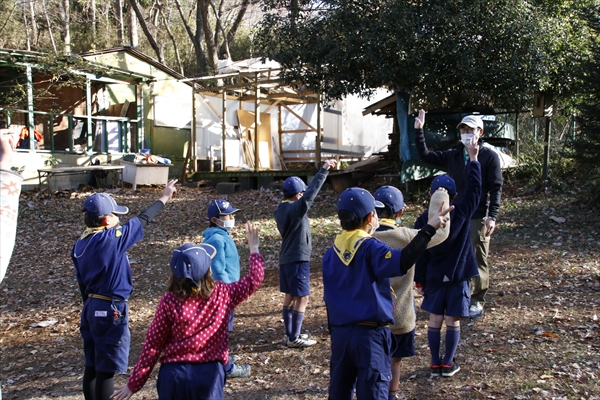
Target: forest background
449	55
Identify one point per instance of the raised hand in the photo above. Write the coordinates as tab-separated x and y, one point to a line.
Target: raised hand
420	120
330	164
252	236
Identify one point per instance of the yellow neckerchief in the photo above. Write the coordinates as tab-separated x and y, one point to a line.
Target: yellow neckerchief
388	222
347	244
91	231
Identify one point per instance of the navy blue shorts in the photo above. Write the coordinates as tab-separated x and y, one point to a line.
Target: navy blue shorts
294	278
360	357
105	343
450	300
191	381
405	345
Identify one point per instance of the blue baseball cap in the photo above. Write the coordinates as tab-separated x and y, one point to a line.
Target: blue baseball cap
100	204
444	181
220	207
192	261
358	201
293	185
390	197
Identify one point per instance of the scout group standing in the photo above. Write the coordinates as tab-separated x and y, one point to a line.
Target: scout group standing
368	276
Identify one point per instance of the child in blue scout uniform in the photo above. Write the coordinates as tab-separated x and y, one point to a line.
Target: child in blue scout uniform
225	265
104	277
294	256
189	329
442	273
356	272
391	233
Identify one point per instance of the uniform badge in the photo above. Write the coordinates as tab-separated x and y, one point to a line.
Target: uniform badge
388	255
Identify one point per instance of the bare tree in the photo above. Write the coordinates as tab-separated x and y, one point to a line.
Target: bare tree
120	22
151	39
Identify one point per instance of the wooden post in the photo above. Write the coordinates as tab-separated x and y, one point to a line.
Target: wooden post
256	120
224	131
88	113
319	133
30	119
280	134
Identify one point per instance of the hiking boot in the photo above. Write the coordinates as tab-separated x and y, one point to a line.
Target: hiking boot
286	339
436	371
450	370
299	342
239	371
475	311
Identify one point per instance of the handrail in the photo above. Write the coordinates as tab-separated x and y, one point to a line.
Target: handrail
124	126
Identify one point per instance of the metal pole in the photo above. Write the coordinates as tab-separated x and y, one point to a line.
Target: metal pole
546	153
517	134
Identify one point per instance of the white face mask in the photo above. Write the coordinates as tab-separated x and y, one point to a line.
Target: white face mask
227	224
466	138
374	223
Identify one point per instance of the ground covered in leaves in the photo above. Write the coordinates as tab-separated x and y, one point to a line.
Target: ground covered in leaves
538	338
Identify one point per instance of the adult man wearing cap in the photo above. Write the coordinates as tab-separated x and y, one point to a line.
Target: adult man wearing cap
484	219
291	216
104	277
225	265
356	286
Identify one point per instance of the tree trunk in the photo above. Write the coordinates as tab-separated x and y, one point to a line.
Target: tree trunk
167	24
66	28
194	37
94	24
49	26
27	36
224	49
120	22
133	29
203	23
34	29
144	26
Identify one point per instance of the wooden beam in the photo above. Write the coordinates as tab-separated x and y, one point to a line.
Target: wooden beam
299	117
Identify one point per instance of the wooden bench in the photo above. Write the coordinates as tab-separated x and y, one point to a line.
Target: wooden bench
50	172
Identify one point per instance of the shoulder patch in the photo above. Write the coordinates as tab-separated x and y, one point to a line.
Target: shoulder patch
388	254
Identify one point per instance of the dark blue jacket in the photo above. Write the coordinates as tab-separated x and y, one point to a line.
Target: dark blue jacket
453	161
292	223
453	260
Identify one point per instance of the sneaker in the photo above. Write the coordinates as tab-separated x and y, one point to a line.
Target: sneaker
450	370
475	311
299	342
239	371
232	359
286	339
436	371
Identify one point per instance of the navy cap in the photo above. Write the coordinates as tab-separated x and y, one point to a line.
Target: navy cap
358	201
390	197
444	181
293	185
192	261
100	204
220	207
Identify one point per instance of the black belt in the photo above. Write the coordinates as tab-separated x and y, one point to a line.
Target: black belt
375	324
100	297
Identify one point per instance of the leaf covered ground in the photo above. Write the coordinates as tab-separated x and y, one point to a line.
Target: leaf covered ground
538	338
